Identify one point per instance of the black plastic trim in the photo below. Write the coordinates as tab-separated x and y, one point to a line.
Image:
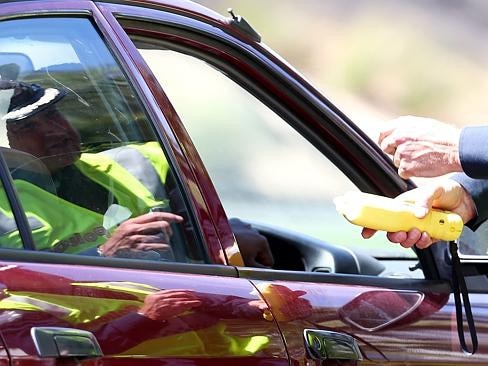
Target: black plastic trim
345	279
12	255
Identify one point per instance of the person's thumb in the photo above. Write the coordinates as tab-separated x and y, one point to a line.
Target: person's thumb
421	200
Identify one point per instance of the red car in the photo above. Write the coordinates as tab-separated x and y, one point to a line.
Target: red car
131	133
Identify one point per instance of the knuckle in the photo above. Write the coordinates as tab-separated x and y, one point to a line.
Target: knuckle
134	239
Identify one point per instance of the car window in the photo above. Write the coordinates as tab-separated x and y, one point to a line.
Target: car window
84	158
263	170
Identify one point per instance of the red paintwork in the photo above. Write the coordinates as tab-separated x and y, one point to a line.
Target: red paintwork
238	311
412	339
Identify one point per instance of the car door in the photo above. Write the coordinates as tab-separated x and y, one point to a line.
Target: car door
87	160
331	302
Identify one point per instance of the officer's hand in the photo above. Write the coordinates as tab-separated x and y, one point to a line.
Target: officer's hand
253	246
166	304
421	147
141	233
444	194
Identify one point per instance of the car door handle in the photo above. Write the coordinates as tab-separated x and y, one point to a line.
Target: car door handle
65	342
328	345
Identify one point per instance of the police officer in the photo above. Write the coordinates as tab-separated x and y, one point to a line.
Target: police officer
86	185
107	186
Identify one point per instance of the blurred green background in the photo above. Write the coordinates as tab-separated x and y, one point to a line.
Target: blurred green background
378	59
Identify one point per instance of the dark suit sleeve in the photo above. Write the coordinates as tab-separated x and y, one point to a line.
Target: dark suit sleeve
473	151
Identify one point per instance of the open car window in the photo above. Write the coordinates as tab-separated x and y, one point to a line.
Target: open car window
85	160
265	172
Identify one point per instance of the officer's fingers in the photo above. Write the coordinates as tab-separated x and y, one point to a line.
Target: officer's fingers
404	167
145	242
399	156
180	306
422	198
153	227
397	237
425	241
389	144
394	135
413	237
404	172
157	216
177	295
367	233
151	246
402	160
387	132
168	216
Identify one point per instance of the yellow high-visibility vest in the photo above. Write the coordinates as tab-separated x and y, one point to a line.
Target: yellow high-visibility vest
61	226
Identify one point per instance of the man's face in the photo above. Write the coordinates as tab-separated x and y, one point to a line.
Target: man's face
46	135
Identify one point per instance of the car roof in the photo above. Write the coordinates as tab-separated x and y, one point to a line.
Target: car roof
183	7
186	6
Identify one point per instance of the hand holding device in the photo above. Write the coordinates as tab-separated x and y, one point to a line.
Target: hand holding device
393	215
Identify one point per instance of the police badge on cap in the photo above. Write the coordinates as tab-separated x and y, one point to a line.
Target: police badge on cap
19	100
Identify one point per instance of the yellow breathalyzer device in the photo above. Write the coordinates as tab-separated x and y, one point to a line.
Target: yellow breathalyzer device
388	214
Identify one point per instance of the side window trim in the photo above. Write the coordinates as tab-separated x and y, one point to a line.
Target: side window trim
74	259
17	209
